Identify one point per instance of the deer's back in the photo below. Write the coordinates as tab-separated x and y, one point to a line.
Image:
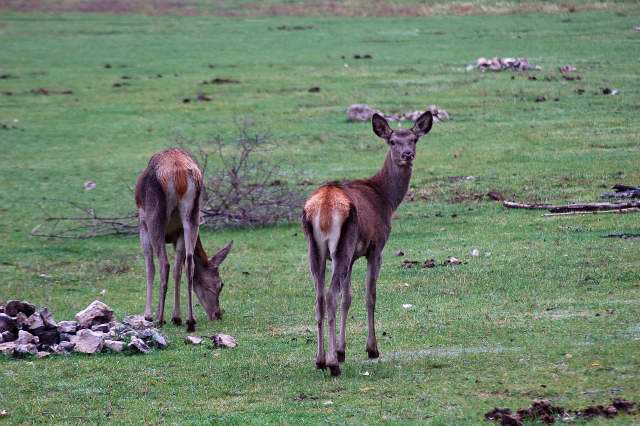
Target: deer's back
335	201
170	171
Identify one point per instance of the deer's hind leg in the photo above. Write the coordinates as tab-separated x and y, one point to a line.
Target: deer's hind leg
177	274
341	260
317	265
374	261
189	207
344	313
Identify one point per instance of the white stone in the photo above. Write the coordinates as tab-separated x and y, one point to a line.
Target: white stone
224	341
96	313
88	342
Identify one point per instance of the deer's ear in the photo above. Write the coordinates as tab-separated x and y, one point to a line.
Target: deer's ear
423	124
220	256
380	126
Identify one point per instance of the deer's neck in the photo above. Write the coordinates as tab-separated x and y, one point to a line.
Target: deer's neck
392	181
199	255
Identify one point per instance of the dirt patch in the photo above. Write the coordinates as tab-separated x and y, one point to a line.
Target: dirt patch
541	410
218	80
46	92
295	27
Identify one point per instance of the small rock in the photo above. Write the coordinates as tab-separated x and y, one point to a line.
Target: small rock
14	306
102	328
64	347
138	345
7	348
89	185
88	342
407	305
193	340
25	350
540	98
224	341
8	324
567	68
67	327
137	322
399	253
65	337
42	354
159	339
453	261
475	253
314	89
47	318
8	336
33	323
429	263
47	337
96	313
360	112
24	338
114	345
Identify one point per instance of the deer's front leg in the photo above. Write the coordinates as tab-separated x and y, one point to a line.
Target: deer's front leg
373	269
147	250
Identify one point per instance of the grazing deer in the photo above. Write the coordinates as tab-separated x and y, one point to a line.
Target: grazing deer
168	198
345	221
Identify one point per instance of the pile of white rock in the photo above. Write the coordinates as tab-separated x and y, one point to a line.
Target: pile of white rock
363	112
26	330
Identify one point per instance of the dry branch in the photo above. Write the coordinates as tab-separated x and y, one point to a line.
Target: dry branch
530	206
576	212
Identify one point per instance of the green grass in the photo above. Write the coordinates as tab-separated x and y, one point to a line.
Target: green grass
530	320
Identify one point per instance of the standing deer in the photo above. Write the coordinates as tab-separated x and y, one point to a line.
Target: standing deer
168	198
345	221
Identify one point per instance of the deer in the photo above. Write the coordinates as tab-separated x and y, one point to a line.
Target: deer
343	222
167	195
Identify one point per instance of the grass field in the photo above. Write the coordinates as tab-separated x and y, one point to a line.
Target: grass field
553	312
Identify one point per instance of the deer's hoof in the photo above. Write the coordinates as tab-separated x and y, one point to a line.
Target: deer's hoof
335	370
373	353
160	323
191	326
321	365
176	320
341	356
150	319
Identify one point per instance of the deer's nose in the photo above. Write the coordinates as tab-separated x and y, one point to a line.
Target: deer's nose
407	155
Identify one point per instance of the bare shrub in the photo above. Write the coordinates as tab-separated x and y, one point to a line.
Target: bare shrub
244	189
247	189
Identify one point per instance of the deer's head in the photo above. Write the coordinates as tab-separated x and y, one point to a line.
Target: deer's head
208	284
402	142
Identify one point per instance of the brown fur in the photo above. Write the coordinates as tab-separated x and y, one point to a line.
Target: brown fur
365	207
171	172
326	201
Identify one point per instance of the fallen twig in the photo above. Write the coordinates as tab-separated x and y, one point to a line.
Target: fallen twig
530	206
591	207
576	212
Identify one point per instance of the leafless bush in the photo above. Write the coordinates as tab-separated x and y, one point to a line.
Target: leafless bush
247	189
243	189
